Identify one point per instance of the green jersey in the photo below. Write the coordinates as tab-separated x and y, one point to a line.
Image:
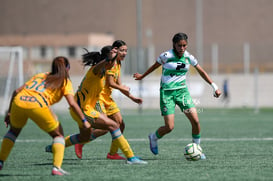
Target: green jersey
174	69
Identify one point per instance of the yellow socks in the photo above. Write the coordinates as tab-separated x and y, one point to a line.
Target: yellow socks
58	147
7	145
72	140
121	142
113	148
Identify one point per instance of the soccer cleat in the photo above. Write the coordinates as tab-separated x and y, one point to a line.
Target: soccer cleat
78	150
203	157
1	165
115	157
48	148
135	160
153	145
59	171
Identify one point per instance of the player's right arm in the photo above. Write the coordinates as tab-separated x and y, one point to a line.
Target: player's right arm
15	92
139	76
73	105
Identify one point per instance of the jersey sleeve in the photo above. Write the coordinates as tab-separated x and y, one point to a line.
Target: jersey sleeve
68	89
110	72
193	60
162	58
114	71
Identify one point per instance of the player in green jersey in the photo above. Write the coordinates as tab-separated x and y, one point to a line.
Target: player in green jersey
173	89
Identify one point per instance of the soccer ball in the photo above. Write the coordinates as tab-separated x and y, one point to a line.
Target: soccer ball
192	152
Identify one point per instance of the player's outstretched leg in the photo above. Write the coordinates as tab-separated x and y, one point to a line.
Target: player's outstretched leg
113	153
122	143
6	147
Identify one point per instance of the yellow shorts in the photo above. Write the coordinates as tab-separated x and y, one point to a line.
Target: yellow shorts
90	114
108	105
43	117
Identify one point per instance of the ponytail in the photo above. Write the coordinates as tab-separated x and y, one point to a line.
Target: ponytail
92	58
59	73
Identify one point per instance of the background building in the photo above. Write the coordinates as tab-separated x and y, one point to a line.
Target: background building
228	24
228	37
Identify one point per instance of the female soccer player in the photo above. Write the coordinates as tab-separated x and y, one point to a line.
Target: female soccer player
88	94
33	100
106	102
173	89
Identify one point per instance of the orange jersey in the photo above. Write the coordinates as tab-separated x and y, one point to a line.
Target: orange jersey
35	95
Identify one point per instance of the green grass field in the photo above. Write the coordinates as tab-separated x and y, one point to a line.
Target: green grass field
237	142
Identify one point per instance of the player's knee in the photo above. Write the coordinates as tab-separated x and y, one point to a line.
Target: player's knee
113	126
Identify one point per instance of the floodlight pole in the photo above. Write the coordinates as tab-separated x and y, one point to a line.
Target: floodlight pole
214	58
256	90
139	45
199	30
246	57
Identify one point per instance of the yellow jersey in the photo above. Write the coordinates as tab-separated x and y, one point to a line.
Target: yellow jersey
115	72
89	90
35	95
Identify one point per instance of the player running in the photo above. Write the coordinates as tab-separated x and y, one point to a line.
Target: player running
33	100
88	94
173	89
107	104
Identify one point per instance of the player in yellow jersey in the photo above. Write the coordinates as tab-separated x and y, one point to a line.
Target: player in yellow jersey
88	94
33	100
106	103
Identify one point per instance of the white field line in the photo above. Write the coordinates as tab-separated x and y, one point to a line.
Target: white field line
165	140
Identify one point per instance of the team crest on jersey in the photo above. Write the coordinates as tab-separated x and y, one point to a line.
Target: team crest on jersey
165	109
93	113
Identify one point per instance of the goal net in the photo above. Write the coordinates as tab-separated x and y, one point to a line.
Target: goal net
11	74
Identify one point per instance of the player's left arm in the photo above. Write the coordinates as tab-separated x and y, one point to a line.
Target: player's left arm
206	77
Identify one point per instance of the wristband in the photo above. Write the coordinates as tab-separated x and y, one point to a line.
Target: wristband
84	120
214	86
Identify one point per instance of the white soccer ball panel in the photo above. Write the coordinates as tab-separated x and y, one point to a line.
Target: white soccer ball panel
193	152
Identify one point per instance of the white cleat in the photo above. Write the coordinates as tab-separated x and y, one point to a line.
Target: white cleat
59	171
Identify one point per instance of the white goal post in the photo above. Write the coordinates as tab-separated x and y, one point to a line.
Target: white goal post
10	77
